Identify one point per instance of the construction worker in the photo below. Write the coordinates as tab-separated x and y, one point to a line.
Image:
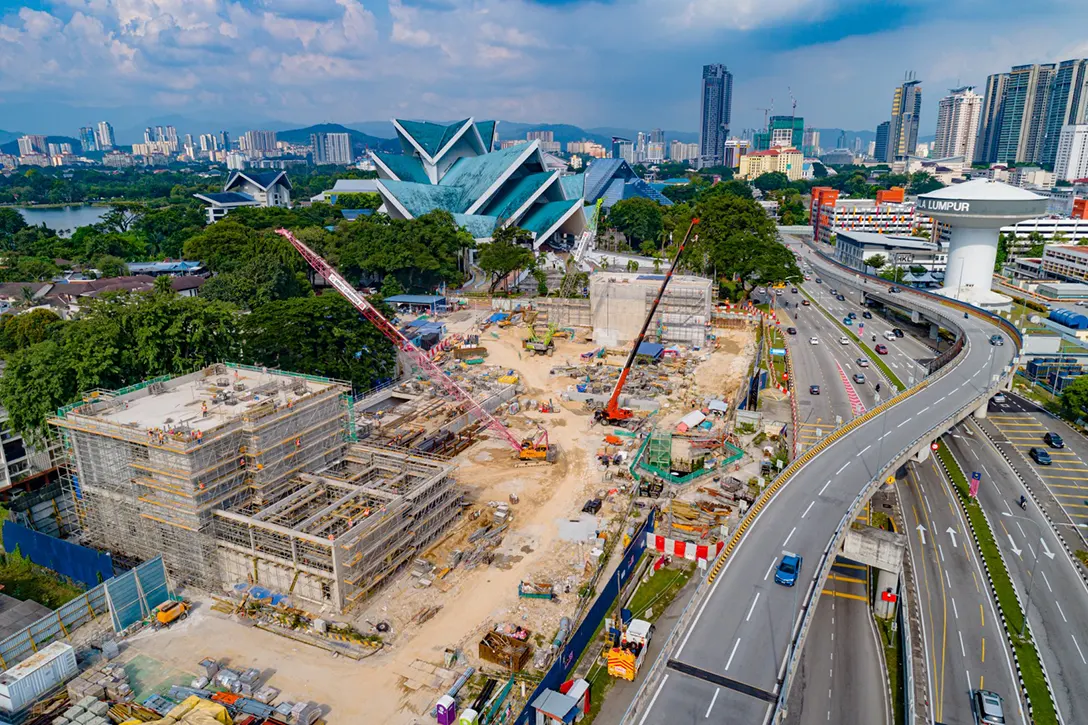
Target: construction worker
204	409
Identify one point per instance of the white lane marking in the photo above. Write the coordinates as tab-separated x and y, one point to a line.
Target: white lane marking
954	610
843	468
790	536
948	578
903	423
863	451
653	700
1021	529
821	493
712	701
808	509
752	608
1060	611
942	552
770	568
923	410
1047	582
963	650
926	499
973	453
732	654
1078	649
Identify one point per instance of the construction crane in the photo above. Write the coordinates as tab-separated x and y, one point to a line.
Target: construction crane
404	345
612	413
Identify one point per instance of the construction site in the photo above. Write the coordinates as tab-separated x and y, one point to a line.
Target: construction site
447	530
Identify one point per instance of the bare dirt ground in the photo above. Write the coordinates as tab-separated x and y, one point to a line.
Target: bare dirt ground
399	684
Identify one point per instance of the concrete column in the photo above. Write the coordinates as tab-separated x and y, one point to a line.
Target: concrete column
922	455
980	411
915	316
934	332
885	580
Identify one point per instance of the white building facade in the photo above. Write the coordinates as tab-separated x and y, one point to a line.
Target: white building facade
1071	162
957	124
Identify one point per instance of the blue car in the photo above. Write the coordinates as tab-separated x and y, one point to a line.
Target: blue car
847	321
788	569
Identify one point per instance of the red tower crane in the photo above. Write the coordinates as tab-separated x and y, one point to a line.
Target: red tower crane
612	412
404	345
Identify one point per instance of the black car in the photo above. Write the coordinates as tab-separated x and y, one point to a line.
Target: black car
791	330
1053	440
819	281
814	390
1040	456
793	290
852	315
840	298
894	290
897	332
997	340
867	315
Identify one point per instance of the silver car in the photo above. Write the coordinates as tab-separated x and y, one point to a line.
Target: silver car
986	706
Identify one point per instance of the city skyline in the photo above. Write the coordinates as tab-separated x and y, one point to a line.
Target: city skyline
354	61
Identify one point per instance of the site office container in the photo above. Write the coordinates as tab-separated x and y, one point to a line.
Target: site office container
36	675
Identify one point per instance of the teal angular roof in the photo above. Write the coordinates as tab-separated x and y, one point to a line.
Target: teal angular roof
418	199
487	133
573	185
479	226
477	174
513	197
431	137
542	218
405	168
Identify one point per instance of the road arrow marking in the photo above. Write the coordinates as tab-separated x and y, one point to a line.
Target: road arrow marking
922	533
1047	551
1013	545
952	533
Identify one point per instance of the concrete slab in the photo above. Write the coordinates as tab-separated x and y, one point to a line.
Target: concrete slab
584	528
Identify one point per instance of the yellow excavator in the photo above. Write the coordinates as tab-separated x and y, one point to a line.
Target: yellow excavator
538	450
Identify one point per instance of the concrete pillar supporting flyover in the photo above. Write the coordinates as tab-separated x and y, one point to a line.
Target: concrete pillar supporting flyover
980	411
882	550
922	455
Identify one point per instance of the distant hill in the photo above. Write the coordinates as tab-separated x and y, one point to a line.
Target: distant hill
359	140
12	147
6	136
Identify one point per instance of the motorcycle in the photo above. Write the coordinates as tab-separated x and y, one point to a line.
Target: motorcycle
1023	503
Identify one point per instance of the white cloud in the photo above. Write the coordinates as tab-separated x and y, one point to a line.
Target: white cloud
704	15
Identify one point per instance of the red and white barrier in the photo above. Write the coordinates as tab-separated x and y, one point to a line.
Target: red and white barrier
684	549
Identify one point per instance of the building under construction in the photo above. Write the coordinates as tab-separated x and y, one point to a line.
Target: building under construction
151	466
619	303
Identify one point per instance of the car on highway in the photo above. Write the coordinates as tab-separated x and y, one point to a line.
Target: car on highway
847	321
881	349
897	332
844	340
791	330
1040	456
832	291
840	298
986	706
867	315
819	281
1053	440
859	378
814	390
793	290
805	303
997	340
894	290
999	399
862	362
852	315
814	341
788	569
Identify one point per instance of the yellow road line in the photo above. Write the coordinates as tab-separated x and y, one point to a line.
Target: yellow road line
852	580
983	649
846	595
1066	478
856	566
982	615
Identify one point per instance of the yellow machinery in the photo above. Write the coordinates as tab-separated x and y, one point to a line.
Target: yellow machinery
538	450
169	612
626	658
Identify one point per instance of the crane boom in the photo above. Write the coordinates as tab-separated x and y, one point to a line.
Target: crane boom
404	345
613	411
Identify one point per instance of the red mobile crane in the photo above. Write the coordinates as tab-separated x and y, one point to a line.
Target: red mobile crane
424	363
612	413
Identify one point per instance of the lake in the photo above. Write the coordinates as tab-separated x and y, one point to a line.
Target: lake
65	219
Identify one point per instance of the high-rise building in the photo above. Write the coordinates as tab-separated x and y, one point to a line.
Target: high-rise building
209	142
857	145
734	149
627	152
880	153
258	142
104	136
331	148
810	142
1023	112
1071	156
87	139
780	131
679	151
617	146
224	140
657	136
989	123
906	113
545	136
31	145
717	100
655	151
640	146
1067	104
870	150
957	124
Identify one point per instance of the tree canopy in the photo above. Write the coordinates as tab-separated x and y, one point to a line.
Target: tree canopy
506	253
771	181
638	218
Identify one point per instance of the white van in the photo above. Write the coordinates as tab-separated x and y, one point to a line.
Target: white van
889	335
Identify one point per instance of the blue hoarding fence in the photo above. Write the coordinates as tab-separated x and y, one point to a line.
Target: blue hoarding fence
89	567
572	650
133	595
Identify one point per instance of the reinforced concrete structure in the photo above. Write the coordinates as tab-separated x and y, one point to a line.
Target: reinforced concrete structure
619	303
149	465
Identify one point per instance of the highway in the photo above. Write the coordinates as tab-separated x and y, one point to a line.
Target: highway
964	640
742	628
1058	602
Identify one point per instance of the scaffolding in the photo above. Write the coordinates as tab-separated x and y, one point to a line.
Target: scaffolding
682	317
149	464
333	539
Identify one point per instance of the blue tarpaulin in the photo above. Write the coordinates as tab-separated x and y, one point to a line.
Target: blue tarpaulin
89	567
651	349
497	317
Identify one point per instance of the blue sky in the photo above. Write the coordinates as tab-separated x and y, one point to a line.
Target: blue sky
626	63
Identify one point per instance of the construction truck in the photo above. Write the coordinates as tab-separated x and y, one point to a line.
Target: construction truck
537	451
169	612
541	345
612	413
626	657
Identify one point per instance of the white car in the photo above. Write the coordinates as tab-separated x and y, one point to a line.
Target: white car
814	341
844	340
862	362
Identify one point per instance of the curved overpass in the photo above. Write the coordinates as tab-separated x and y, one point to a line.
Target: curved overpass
742	627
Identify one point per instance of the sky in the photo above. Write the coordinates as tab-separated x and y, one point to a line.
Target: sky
622	63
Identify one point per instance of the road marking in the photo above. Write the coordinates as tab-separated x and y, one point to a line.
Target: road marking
954	610
982	615
808	509
844	595
863	451
1021	529
821	493
712	701
1047	581
983	649
903	423
752	608
1059	611
948	578
790	536
923	410
848	579
1078	649
973	453
843	468
653	700
770	568
942	552
963	650
928	507
732	654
